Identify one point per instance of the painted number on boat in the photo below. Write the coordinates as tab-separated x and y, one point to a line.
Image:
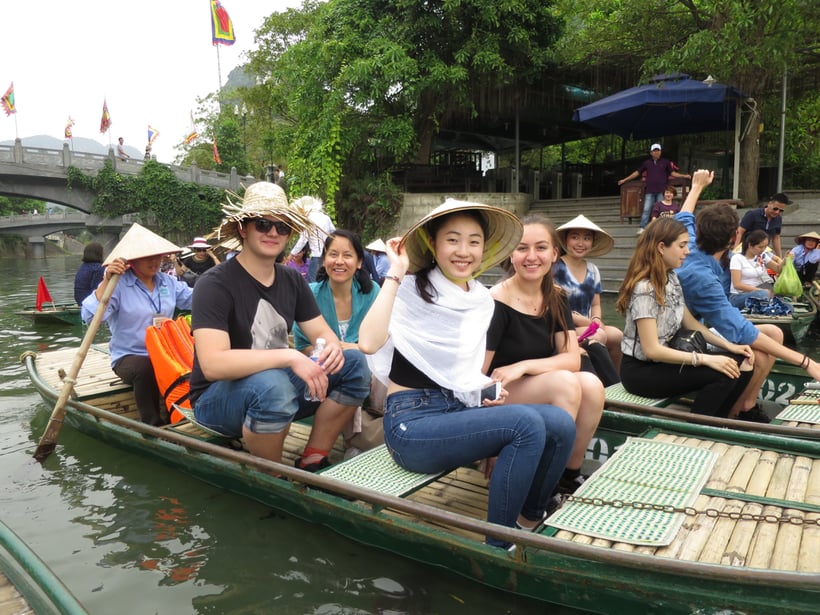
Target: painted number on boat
778	392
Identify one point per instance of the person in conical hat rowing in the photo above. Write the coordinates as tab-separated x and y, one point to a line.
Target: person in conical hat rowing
142	295
246	381
806	255
427	332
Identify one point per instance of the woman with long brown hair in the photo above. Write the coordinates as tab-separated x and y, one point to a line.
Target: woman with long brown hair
651	298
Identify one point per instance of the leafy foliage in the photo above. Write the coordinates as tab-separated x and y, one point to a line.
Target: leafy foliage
10	205
177	206
351	86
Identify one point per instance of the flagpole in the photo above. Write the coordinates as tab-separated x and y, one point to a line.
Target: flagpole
219	75
16	134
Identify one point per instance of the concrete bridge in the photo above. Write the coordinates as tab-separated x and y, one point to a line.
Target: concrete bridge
38	173
36	227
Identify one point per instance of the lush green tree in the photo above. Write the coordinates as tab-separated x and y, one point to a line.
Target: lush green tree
11	205
746	43
348	81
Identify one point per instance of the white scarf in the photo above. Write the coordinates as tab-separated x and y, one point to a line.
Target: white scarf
445	340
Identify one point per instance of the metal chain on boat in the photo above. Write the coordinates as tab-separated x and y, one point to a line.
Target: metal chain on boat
692	512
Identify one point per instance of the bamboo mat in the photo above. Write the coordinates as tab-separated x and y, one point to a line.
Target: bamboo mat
11	601
642	470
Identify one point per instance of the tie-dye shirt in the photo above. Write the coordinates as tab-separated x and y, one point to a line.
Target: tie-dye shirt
581	293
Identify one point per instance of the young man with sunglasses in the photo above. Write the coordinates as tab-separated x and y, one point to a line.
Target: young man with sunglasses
247	382
766	219
195	264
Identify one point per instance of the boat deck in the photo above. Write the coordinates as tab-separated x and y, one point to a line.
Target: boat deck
747	491
12	601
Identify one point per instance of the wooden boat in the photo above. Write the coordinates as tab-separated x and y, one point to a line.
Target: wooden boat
750	543
53	314
678	408
795	325
27	585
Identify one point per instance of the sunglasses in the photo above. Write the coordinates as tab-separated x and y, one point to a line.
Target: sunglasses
778	209
263	225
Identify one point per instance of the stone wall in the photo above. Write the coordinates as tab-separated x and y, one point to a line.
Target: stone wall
416	206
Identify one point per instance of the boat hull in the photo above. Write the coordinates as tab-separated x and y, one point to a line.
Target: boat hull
58	314
572	573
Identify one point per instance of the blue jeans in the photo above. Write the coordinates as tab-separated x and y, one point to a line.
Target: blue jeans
739	300
314	264
268	401
649	200
428	430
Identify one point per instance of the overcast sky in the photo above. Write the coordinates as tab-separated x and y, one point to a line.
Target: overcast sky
150	60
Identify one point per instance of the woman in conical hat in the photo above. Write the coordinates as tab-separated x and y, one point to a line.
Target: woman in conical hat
143	296
428	332
806	256
581	239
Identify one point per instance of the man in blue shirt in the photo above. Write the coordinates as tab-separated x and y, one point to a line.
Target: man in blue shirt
705	283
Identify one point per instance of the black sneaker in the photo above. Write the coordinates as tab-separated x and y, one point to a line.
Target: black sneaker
567	486
755	414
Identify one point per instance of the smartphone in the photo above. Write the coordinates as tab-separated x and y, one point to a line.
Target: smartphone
492	391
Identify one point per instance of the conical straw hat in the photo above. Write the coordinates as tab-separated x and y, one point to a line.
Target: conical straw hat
804	236
139	242
376	246
503	234
602	242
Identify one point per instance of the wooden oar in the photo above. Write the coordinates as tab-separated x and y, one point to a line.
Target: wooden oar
48	442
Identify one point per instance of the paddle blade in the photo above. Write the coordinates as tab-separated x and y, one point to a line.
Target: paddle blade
43	296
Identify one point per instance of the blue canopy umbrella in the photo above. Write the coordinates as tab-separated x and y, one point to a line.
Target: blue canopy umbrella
667	105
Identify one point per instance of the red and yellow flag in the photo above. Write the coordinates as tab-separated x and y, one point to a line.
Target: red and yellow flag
217	159
221	25
105	122
8	101
68	126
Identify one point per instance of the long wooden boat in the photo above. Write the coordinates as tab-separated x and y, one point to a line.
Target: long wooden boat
748	540
53	314
27	584
794	326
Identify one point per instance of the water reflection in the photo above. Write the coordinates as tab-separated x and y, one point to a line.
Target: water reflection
130	534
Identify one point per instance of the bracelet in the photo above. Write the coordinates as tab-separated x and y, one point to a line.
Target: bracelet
596	318
395	278
804	364
695	359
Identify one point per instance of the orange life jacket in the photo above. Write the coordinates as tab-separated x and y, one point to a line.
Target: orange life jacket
171	350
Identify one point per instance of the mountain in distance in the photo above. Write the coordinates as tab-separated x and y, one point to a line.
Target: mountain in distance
81	144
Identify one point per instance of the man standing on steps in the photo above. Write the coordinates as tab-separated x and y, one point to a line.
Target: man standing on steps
766	219
658	171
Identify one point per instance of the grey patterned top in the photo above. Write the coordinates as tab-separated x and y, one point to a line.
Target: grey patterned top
644	304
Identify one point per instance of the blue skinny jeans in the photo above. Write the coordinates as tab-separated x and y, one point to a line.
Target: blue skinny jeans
428	430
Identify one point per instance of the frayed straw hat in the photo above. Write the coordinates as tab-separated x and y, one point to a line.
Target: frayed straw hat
261	199
602	242
503	234
139	242
804	236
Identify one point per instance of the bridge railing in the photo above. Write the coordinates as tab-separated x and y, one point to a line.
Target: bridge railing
33	157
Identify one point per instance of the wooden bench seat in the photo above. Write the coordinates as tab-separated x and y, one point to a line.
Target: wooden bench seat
616	393
376	470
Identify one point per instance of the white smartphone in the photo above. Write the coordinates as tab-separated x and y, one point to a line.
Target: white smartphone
492	391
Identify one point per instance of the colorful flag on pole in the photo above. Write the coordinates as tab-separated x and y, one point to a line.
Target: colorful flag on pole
43	296
8	101
69	124
193	134
153	133
221	25
105	122
217	159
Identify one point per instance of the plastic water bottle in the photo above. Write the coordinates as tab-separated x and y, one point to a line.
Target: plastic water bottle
318	348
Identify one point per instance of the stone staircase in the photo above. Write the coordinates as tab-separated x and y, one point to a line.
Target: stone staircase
803	216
